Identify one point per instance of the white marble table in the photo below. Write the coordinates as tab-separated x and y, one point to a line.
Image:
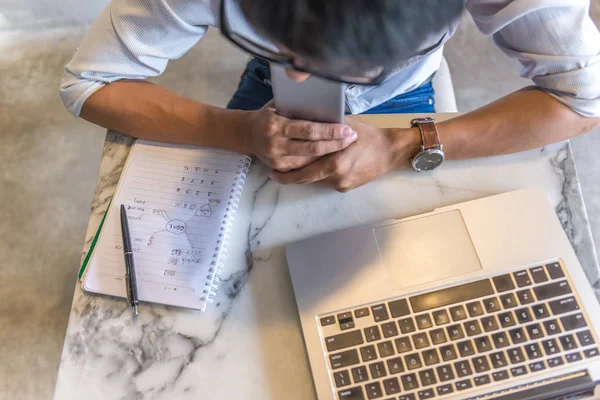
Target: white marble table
248	345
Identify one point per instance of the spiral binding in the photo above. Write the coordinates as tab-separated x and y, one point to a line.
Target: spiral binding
211	286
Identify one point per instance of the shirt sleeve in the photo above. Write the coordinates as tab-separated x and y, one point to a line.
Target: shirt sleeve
555	41
133	39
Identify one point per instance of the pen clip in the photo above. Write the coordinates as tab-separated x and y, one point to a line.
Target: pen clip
127	288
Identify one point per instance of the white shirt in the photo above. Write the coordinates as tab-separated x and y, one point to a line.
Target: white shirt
555	41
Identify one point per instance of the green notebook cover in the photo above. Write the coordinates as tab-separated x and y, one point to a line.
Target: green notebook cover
91	250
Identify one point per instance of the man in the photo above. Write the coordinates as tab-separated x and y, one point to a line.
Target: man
385	50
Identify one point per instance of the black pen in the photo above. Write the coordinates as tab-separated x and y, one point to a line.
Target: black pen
130	282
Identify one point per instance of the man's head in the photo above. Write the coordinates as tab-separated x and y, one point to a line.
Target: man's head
352	36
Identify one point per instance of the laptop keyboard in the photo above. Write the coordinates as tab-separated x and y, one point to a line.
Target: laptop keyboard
444	342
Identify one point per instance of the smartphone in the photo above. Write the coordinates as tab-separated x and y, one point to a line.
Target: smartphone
315	99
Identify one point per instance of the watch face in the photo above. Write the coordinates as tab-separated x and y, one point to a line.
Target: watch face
428	160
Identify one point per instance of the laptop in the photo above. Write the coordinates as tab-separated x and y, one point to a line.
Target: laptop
480	300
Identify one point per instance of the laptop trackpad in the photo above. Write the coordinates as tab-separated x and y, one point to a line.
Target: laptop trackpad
426	249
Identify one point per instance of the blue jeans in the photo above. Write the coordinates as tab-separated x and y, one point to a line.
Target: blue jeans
254	91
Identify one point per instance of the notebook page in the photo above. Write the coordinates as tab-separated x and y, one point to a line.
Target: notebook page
177	200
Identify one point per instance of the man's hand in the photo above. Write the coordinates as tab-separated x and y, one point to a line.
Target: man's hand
284	144
375	152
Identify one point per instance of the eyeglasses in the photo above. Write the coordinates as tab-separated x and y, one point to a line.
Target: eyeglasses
251	46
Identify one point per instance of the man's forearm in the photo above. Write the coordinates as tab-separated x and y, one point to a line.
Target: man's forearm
521	121
148	111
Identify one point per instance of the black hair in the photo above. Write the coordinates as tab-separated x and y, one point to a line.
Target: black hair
367	32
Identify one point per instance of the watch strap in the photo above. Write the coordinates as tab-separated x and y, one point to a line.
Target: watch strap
429	132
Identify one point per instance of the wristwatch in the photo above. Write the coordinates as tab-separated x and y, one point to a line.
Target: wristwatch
431	154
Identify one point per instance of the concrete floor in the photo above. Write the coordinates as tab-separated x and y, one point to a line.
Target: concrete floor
49	163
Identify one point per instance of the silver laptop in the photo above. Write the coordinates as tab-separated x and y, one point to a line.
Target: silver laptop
481	300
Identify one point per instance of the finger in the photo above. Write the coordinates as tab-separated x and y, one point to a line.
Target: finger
270	104
306	130
314	172
291	163
316	147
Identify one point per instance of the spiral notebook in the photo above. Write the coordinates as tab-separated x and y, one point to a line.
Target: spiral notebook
181	202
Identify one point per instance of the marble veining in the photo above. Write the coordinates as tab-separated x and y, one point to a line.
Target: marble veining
248	344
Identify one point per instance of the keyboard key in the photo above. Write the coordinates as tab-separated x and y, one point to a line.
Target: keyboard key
518	371
551	290
463	368
483	344
409	382
503	283
403	344
373	390
522	278
525	296
437	336
489	323
481	364
585	338
430	357
540	311
399	308
427	377
344	359
571	322
444	389
472	328
359	374
391	386
361	312
550	347
372	333
426	394
573	357
389	329
448	352
516	355
420	340
380	313
555	271
377	370
498	360
354	393
409	396
552	327
327	320
591	353
517	335
506	319
386	349
342	378
508	300
492	304
533	351
568	342
407	325
368	353
481	380
535	331
455	332
413	361
500	376
563	305
451	295
555	362
465	348
346	321
500	340
475	309
343	340
538	274
445	373
441	317
463	385
523	315
537	366
458	313
424	321
395	365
